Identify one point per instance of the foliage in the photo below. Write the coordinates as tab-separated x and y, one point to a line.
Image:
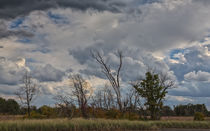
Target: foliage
167	111
190	109
35	115
153	89
9	106
47	111
198	116
113	114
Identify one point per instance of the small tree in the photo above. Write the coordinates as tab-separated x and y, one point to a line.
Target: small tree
65	106
27	92
81	90
154	89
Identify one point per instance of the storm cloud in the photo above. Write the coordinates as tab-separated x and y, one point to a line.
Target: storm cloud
13	8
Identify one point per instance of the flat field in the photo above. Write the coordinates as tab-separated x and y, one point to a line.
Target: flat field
79	124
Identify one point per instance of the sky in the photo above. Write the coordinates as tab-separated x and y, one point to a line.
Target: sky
53	39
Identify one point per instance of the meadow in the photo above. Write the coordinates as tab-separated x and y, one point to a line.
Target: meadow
79	124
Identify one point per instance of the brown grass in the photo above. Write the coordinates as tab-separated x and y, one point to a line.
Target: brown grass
180	118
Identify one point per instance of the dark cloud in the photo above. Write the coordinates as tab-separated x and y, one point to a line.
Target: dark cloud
10	9
47	73
13	8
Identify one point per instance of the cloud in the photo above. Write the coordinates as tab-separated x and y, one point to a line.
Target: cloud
11	72
5	32
64	32
197	76
13	8
135	62
47	73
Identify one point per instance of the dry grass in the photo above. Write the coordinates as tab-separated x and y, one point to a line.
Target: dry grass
10	117
78	124
181	118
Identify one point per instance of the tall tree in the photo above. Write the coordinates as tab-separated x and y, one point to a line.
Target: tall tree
113	75
27	92
154	89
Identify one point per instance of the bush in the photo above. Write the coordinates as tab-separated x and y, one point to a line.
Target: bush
35	115
113	114
198	116
47	111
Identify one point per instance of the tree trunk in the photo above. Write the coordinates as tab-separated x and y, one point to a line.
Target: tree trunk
29	111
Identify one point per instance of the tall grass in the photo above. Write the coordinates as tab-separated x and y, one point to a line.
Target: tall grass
79	124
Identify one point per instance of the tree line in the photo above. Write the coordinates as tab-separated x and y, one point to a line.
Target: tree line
11	107
145	97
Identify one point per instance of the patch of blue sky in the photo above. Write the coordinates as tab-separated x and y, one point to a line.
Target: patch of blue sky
175	51
30	60
24	40
148	1
204	39
16	23
57	19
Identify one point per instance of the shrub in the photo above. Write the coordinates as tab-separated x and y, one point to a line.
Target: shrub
113	114
47	111
131	116
198	116
35	115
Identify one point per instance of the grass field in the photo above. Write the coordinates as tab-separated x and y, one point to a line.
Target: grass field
78	124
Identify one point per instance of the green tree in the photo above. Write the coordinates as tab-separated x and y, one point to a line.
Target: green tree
12	107
154	89
167	111
2	105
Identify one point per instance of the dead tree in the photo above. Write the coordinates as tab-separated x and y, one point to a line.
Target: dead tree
108	98
81	90
104	99
113	77
65	105
132	100
27	92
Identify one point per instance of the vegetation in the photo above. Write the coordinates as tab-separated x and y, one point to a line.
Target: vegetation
199	116
27	92
113	75
154	89
96	124
9	106
190	109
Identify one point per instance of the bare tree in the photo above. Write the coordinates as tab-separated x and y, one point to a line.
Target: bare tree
108	98
104	98
27	92
66	105
132	102
82	91
113	77
98	99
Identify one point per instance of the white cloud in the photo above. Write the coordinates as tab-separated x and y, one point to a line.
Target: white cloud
198	76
